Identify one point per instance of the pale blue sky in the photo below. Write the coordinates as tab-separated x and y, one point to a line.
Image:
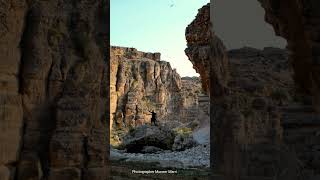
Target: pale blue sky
155	26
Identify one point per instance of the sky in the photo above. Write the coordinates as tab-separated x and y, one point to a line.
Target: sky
155	26
159	26
241	23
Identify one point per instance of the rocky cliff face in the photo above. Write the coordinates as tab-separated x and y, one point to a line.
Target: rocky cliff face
52	74
298	23
199	37
11	109
140	83
256	114
274	121
194	100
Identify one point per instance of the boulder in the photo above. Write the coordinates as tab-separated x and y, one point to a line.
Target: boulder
138	138
182	142
150	149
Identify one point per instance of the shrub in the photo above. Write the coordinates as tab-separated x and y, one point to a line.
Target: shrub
184	131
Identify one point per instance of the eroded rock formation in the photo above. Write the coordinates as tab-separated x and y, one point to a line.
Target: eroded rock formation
11	110
298	23
193	99
259	117
199	36
140	83
52	72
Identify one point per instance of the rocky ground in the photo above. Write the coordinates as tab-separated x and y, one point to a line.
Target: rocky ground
121	170
166	146
196	157
179	147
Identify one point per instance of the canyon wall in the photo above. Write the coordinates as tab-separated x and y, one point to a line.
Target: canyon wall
256	113
199	36
11	109
195	102
298	22
54	91
141	82
53	74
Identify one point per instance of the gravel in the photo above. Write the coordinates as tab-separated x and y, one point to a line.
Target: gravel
195	157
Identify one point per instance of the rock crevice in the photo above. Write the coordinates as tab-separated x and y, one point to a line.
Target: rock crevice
51	70
141	82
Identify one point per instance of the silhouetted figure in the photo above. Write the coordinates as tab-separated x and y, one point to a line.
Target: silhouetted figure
153	117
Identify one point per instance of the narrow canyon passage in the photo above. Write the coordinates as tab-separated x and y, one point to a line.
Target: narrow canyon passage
55	119
142	83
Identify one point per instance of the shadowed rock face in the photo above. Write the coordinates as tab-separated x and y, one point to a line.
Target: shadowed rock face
298	22
11	110
256	114
53	81
143	136
52	95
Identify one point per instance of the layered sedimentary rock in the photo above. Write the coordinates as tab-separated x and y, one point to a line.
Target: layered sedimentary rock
140	83
199	37
193	99
52	73
256	125
11	112
278	125
298	22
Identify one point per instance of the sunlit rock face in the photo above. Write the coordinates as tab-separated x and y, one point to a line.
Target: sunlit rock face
141	82
205	58
195	102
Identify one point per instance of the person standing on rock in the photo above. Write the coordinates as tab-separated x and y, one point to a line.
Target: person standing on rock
153	117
